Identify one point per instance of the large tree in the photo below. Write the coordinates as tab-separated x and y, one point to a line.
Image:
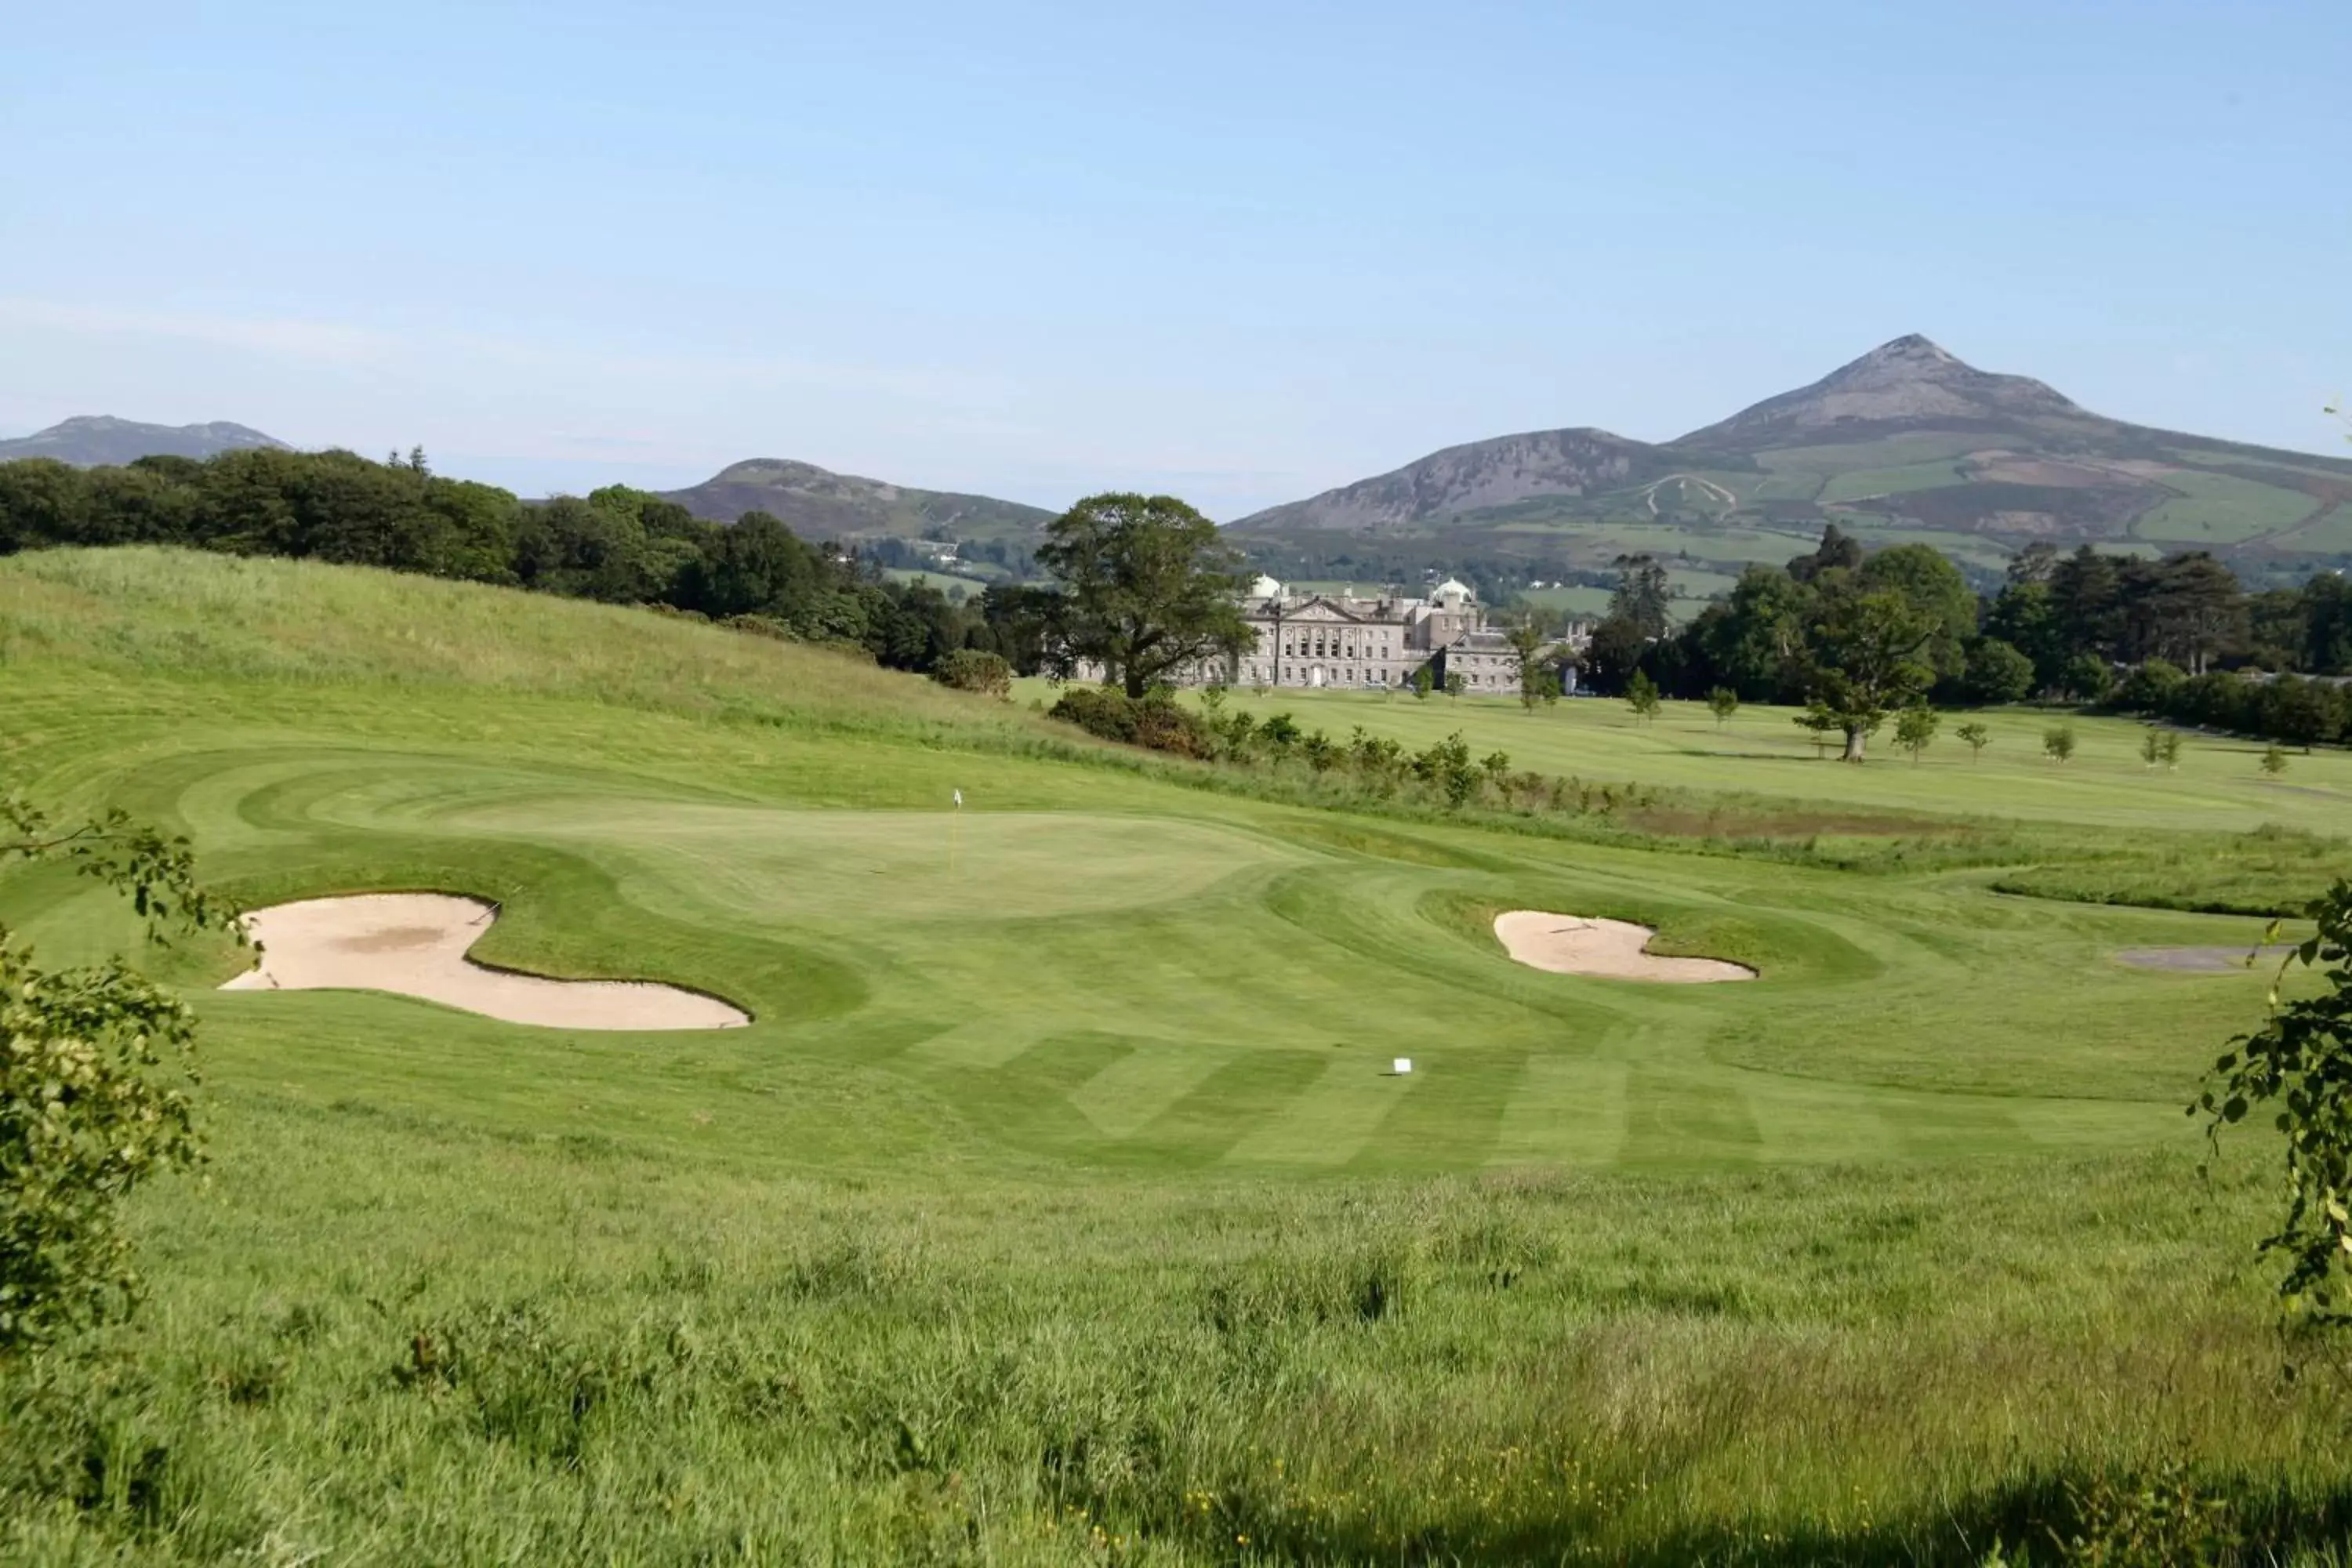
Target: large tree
1936	589
1642	596
1869	661
1149	587
2184	608
758	566
1837	552
1754	640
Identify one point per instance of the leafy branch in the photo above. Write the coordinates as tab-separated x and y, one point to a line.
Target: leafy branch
157	874
2301	1061
96	1069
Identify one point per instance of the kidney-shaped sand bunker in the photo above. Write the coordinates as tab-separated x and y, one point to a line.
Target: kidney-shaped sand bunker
1605	949
414	944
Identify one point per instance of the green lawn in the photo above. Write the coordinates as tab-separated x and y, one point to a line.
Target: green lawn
1058	1206
2219	785
944	581
2218	510
1589	603
1861	484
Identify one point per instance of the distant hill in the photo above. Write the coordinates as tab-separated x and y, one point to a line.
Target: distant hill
1908	442
818	504
94	441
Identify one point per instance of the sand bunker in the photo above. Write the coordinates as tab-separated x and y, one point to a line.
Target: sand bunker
2200	960
414	944
1609	949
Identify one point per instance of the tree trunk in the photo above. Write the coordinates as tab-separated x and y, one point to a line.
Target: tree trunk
1854	744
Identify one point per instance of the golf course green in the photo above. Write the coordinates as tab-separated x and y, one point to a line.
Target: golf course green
1059	1204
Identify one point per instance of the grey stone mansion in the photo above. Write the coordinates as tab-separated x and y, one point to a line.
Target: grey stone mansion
1350	641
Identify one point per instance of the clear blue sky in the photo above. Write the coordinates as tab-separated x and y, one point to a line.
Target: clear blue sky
1239	250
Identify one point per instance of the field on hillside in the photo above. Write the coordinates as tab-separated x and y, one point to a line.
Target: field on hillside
2218	784
1058	1206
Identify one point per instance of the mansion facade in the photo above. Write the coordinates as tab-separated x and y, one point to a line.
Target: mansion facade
1350	641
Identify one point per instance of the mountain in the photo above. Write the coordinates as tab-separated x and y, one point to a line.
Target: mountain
92	441
818	504
1907	443
1471	478
1907	384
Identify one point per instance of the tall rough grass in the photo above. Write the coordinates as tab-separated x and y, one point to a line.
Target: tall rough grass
391	1340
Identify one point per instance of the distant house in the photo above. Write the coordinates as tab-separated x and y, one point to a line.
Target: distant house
1345	640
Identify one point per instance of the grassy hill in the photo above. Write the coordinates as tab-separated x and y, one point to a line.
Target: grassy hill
1905	445
820	505
1057	1207
95	440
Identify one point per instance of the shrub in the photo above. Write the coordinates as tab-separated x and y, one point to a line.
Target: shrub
2151	687
2088	677
1642	695
1997	672
761	626
970	669
2301	1061
1155	721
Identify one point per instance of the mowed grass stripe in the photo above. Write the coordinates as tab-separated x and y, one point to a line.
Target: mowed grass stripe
1204	1126
1680	1117
1566	1110
1453	1115
1127	1095
1328	1122
1807	1120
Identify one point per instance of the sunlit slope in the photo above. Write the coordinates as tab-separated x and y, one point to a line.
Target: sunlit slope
1087	969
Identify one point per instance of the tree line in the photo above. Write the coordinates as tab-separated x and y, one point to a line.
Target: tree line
617	544
1857	637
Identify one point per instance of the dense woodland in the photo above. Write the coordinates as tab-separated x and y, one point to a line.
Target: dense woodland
2178	638
622	545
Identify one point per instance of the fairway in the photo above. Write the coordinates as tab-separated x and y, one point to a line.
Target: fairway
1101	1060
1084	966
2219	785
1157	985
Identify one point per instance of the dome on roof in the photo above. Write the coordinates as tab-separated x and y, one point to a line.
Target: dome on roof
1451	592
1266	587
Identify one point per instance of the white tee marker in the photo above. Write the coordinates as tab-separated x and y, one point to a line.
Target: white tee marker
1404	1066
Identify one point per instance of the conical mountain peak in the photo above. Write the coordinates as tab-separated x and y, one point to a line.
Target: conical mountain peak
1914	352
1910	381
